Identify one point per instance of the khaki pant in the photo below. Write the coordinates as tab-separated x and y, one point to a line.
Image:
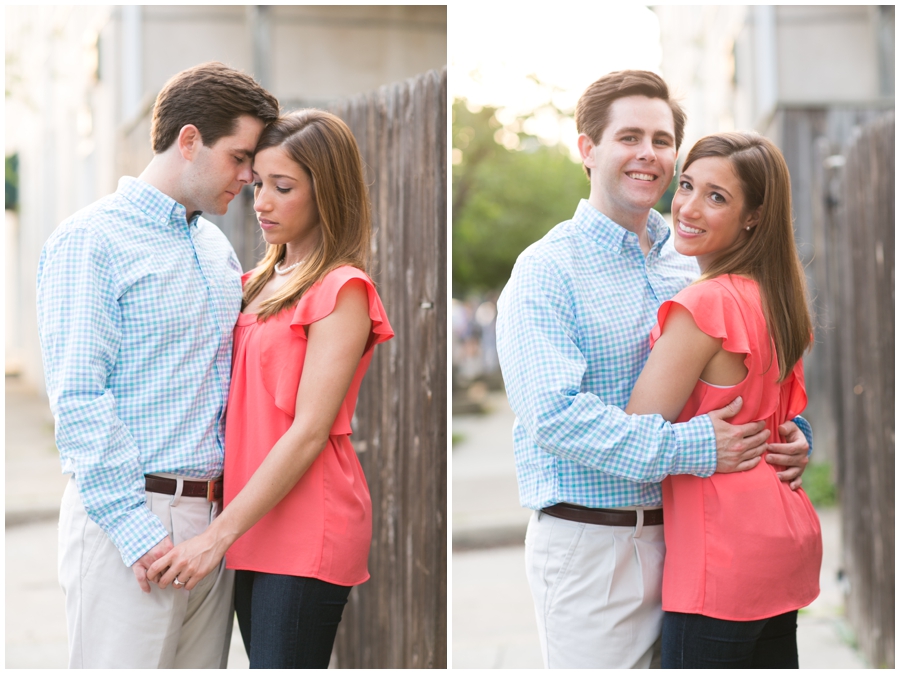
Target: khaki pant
112	623
597	592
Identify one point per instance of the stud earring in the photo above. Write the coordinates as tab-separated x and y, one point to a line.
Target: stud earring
748	228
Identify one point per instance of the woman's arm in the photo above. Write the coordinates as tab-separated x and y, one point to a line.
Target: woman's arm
675	364
335	346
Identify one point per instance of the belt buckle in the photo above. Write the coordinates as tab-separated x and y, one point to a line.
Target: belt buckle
210	490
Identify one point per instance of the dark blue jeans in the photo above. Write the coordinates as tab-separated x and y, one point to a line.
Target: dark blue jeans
692	641
287	622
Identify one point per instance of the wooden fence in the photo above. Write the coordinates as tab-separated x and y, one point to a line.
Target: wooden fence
399	618
807	136
854	231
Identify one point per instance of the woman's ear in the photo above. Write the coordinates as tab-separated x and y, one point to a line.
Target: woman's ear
751	220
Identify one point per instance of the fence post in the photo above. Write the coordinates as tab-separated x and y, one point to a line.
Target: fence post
398	619
865	316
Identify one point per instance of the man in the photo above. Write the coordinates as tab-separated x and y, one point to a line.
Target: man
572	337
137	298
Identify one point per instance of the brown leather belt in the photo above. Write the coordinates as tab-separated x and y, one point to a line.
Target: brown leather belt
211	490
611	518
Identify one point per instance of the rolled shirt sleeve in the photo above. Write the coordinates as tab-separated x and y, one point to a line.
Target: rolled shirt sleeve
80	331
544	367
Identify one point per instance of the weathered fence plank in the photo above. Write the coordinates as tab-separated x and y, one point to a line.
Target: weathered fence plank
858	236
398	619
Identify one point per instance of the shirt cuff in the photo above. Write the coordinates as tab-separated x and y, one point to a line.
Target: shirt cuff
695	445
136	533
806	429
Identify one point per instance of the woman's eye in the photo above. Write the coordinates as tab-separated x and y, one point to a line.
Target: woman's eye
283	190
718	198
685	185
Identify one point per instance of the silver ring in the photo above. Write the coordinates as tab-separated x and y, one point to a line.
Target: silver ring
177	582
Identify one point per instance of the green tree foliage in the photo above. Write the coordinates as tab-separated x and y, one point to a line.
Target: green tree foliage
12	182
503	200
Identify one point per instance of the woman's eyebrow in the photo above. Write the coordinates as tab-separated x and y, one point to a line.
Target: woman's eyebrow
718	188
276	176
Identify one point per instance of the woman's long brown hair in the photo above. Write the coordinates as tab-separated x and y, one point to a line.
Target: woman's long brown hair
767	253
323	146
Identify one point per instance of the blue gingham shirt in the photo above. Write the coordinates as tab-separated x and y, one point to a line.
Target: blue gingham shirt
573	329
136	307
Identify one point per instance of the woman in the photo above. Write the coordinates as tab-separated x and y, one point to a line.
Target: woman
297	519
742	549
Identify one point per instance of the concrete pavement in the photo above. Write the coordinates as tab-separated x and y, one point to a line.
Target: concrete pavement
493	616
35	605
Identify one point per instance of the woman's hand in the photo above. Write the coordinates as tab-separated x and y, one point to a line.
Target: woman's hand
189	561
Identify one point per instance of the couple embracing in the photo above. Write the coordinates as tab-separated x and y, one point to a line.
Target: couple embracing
149	331
651	373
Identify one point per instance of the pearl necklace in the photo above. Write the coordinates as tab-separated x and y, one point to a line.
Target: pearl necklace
282	272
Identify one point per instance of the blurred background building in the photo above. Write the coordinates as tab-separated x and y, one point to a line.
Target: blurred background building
80	86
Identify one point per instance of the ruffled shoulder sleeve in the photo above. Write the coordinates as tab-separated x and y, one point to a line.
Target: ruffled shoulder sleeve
320	300
283	343
794	388
719	310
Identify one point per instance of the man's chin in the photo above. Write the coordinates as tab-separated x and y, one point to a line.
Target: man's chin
216	209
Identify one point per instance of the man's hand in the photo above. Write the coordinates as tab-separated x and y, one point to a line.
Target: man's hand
140	566
738	448
793	453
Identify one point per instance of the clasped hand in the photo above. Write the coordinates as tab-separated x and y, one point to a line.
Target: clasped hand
189	562
740	447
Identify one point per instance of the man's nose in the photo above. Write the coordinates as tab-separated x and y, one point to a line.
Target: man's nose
646	150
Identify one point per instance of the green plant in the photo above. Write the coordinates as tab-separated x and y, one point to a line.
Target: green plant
818	483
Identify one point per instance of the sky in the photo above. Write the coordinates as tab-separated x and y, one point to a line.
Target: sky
495	47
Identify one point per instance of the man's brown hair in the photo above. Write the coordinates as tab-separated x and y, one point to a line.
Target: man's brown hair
592	110
210	96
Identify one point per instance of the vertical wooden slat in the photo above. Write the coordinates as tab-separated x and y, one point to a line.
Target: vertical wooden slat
842	177
867	396
398	618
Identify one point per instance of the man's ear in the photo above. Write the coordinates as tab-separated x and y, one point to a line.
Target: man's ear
189	141
585	147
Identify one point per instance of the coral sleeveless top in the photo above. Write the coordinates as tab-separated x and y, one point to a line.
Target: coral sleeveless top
323	527
739	546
